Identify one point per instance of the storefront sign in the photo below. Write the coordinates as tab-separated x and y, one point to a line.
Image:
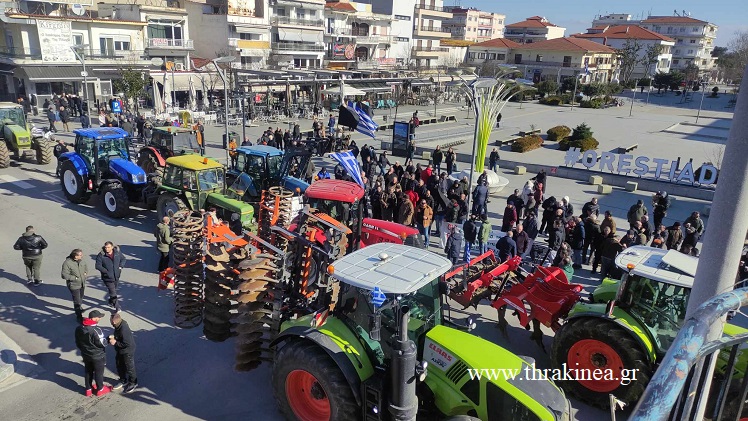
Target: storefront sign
343	51
55	39
626	164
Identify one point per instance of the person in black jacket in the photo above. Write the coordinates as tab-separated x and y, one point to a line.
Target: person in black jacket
90	341
123	342
556	237
31	246
452	248
470	230
110	262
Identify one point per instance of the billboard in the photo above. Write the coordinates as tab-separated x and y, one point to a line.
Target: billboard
400	138
55	40
343	51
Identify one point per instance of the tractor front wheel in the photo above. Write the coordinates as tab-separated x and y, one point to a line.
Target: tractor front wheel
73	184
115	201
309	386
4	155
603	359
168	204
44	151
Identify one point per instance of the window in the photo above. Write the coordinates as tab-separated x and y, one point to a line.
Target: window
300	14
680	41
517	58
502	406
657	28
695	29
539	58
675	62
682	30
109	45
77	39
690	51
693	41
43	89
677	51
501	56
492	56
481	55
402	17
402	39
470	55
670	30
703	62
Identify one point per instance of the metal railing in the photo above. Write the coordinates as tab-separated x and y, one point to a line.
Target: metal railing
431	7
22	53
432	49
285	20
170	43
434	29
292	46
684	383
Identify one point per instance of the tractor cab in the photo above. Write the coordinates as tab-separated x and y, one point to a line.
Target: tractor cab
268	167
654	289
106	154
176	140
12	115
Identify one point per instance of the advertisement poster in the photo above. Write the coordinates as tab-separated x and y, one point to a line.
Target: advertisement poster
400	136
343	51
55	39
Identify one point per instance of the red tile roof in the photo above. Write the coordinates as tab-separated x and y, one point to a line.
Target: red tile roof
623	32
497	43
568	44
672	19
340	6
533	22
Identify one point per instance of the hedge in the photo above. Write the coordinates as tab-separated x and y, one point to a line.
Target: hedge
552	100
527	143
583	144
558	133
593	103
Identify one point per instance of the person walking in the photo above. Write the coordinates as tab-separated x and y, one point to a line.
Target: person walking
480	197
484	233
470	230
450	160
110	262
424	216
75	273
31	245
90	341
51	118
163	242
577	242
510	218
438	157
123	342
493	160
65	118
452	247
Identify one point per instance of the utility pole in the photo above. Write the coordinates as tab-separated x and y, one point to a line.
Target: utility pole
723	244
633	97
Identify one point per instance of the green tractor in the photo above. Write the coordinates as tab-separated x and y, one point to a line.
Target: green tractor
17	138
194	182
383	352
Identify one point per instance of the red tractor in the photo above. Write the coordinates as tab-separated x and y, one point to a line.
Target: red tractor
165	143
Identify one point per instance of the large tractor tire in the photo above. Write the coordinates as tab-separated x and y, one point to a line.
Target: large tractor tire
591	343
115	201
4	155
309	386
149	163
168	204
44	151
73	184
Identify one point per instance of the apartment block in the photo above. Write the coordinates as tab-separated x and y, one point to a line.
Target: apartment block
356	37
297	29
474	25
533	29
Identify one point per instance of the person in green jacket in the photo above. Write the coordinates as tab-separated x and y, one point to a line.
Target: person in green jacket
567	268
483	235
74	272
163	242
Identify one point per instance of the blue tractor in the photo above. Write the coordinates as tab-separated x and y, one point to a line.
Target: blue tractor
101	165
267	167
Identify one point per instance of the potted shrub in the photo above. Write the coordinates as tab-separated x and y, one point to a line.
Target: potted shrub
558	133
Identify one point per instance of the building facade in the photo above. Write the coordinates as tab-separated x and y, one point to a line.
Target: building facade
559	58
533	29
616	36
496	51
239	28
356	37
694	40
474	25
297	30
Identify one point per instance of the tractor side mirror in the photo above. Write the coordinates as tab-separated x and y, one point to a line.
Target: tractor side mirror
375	326
470	323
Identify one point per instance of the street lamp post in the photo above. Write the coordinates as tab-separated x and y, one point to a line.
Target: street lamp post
701	103
633	98
222	74
80	52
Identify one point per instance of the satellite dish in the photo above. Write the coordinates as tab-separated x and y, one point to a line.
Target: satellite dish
78	9
157	61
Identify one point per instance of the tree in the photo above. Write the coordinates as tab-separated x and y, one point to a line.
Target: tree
650	57
546	87
691	72
580	132
593	90
628	56
718	52
132	84
567	84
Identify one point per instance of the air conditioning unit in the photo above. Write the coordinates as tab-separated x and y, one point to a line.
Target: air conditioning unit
179	66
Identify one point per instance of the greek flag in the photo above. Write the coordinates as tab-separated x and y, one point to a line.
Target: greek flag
366	125
350	163
586	68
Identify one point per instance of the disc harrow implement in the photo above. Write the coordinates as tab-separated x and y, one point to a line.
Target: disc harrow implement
188	262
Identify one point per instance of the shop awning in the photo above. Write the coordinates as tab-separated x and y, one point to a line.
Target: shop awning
52	73
181	82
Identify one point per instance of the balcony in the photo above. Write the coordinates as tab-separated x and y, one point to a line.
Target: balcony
429	52
293	46
432	32
249	44
431	10
374	39
285	20
21	53
169	43
339	32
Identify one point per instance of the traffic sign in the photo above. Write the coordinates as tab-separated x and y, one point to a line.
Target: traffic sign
377	297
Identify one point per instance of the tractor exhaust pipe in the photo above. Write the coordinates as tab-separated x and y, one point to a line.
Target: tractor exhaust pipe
403	404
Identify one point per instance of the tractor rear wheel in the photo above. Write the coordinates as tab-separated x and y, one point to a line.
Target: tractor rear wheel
168	204
309	386
4	155
589	346
44	151
73	184
114	199
149	163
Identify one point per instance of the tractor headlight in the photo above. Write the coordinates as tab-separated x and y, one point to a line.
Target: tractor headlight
138	178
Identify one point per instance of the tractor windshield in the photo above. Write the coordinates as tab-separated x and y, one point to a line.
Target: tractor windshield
14	115
113	148
210	179
274	166
341	211
185	142
659	305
